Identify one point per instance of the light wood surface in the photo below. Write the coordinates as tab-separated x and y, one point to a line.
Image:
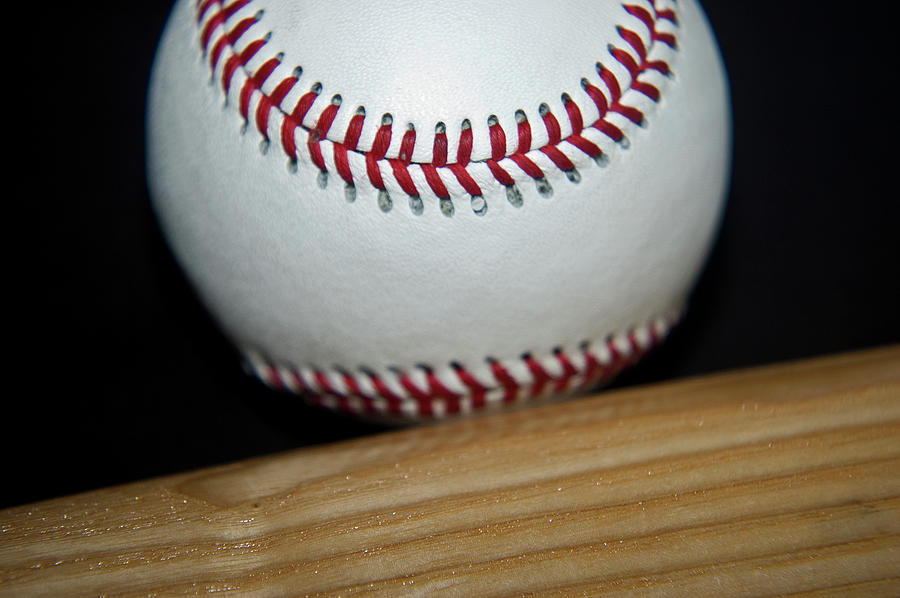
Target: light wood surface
774	481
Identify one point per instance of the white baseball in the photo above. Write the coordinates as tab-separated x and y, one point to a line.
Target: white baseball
421	208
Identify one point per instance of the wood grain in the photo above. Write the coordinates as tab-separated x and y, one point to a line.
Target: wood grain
783	480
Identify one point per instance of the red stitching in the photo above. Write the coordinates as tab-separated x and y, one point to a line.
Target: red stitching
235	60
540	375
292	123
439	152
553	130
382	140
641	13
464	152
267	101
611	130
374	172
408	144
213	17
524	131
635	41
586	146
403	177
498	140
477	391
505	380
574	115
527	166
204	6
351	138
319	132
253	83
434	181
597	96
465	179
667	14
575	370
560	159
624	57
354	130
501	175
569	371
394	403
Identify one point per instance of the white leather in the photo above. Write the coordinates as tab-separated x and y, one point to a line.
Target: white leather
299	274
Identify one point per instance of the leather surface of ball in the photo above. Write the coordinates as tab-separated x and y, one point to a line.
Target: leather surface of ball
417	209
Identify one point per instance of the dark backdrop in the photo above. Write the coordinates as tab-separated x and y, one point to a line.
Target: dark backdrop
118	374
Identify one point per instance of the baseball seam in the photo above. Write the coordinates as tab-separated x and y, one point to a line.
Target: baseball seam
281	110
425	392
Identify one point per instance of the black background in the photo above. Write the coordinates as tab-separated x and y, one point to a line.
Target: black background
116	373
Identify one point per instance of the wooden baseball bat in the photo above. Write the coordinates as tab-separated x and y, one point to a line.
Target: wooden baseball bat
777	480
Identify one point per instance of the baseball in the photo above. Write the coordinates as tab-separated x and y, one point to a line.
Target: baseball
418	209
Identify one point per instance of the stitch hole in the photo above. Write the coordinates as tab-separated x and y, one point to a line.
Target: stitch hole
316	88
322	179
267	37
544	110
465	125
447	206
492	120
360	110
520	117
336	99
280	57
292	165
440	128
297	72
350	192
259	15
387	120
384	201
566	98
624	143
543	187
601	160
514	196
416	205
479	205
573	175
264	146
